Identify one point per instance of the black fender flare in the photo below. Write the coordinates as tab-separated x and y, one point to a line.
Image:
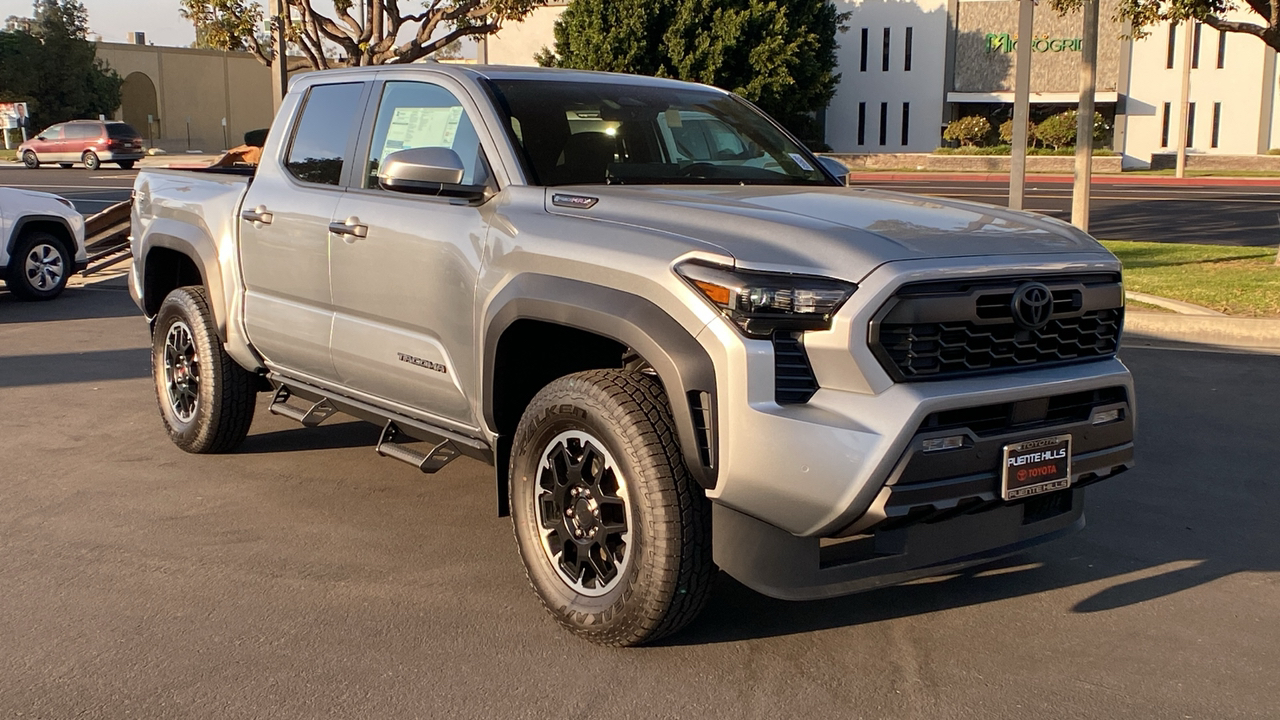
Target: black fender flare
682	364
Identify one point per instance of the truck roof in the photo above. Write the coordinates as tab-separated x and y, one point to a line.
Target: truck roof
508	72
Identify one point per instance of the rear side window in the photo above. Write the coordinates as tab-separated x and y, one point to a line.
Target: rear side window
121	131
328	122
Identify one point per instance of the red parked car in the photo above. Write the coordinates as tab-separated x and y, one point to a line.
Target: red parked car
91	142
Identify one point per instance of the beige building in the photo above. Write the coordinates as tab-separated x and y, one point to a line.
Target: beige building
172	94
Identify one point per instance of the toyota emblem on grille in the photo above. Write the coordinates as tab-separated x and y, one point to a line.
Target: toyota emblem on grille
1032	305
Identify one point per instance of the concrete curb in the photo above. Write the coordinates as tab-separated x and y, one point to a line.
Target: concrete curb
1229	332
890	176
1182	308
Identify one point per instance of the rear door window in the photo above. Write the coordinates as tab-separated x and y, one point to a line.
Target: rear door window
82	131
325	129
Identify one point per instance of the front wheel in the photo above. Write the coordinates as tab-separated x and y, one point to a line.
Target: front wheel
30	160
39	267
206	399
614	533
91	160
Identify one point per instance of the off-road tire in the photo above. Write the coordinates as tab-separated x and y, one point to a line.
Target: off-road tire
91	160
17	280
225	391
126	164
30	159
668	578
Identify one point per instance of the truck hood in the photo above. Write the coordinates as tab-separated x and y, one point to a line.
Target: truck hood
838	232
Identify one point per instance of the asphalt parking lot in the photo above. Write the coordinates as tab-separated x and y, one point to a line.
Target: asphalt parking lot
1241	214
303	576
89	191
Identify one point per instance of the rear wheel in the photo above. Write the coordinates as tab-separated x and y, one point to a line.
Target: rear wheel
90	160
614	533
30	160
206	399
126	164
39	266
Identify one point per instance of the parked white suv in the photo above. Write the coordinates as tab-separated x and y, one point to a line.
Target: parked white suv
43	243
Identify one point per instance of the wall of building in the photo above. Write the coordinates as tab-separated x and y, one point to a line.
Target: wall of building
882	87
204	86
1243	90
517	43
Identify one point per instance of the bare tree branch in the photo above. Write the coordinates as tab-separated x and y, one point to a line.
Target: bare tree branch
1233	26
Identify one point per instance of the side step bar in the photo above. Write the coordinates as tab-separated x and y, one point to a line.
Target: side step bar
318	412
397	430
442	454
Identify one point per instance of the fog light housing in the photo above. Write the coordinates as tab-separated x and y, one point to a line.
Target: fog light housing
947	443
1102	417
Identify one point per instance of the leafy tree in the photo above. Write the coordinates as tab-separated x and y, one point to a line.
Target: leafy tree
373	38
49	63
967	131
1144	14
779	54
1006	131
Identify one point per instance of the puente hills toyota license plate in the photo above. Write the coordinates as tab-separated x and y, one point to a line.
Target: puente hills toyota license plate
1036	466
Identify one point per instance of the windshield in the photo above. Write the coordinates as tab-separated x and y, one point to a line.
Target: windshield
604	133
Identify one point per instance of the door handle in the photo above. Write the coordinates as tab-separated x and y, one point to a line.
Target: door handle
257	215
350	229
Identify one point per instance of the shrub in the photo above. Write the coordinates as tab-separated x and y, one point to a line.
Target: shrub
1274	151
968	131
1059	131
1006	132
1006	150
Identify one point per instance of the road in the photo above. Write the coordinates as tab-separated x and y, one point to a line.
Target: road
1246	215
303	576
89	191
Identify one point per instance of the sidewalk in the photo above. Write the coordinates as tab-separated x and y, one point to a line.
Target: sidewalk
894	176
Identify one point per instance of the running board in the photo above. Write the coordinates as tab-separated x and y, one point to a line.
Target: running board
432	461
318	412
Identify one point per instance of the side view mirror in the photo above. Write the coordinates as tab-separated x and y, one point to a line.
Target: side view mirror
835	167
427	171
41	138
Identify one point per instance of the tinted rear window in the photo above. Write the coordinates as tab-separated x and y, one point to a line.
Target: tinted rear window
121	131
328	123
82	131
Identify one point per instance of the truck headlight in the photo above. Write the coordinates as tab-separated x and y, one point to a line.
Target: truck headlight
761	303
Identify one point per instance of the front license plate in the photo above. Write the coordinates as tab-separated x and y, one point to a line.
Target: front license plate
1036	466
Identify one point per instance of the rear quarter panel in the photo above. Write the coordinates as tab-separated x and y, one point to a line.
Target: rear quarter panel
197	214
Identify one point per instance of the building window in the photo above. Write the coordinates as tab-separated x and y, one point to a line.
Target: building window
906	62
1173	43
1191	124
1164	126
1195	47
884	123
863	66
1222	48
906	121
1217	120
884	56
862	123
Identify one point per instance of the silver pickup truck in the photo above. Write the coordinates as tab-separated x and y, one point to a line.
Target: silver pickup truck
682	343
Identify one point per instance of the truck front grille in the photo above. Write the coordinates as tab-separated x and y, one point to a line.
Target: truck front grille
938	330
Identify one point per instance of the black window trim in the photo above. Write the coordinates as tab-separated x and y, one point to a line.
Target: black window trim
344	179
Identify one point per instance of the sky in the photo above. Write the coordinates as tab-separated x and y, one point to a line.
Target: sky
115	19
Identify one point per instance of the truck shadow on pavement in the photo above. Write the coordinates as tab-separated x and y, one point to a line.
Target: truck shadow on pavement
1200	507
61	368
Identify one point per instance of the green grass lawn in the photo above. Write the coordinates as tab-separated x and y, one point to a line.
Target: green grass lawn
7	155
1234	280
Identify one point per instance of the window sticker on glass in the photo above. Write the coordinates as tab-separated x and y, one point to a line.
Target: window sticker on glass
804	164
415	127
673	118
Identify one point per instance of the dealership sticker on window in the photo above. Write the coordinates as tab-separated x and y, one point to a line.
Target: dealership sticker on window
804	164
